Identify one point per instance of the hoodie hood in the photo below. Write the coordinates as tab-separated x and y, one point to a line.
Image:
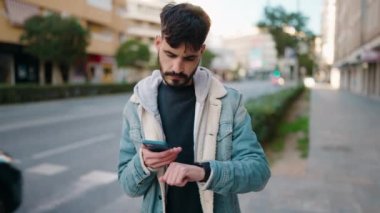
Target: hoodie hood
147	88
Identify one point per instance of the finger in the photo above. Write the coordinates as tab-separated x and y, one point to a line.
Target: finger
168	159
163	154
160	164
154	162
171	174
180	175
183	183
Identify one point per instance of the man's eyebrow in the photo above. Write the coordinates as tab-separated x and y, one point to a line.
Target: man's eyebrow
188	56
168	52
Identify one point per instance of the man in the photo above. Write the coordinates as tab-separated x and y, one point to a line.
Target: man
215	154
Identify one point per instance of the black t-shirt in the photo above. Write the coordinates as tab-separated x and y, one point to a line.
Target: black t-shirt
177	110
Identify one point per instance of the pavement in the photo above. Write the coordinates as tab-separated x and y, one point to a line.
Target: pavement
342	172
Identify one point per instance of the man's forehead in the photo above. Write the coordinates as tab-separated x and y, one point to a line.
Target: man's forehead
185	48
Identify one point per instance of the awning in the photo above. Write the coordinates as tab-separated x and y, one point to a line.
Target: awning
370	56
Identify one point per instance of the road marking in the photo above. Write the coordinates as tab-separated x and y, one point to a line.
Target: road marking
76	190
122	204
47	169
50	120
72	146
100	177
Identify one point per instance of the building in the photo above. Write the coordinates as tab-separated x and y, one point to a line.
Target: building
327	43
357	46
143	19
105	20
144	24
255	52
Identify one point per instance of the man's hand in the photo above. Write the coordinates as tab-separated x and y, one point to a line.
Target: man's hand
178	174
156	160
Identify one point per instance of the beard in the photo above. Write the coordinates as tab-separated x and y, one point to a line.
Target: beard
176	79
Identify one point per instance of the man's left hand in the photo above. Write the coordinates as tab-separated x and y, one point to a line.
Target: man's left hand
178	174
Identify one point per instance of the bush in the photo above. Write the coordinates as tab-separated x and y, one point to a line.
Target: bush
29	93
268	110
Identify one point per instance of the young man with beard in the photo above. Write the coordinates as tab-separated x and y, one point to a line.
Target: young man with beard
214	153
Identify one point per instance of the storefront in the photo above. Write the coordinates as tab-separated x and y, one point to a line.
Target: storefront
17	67
100	69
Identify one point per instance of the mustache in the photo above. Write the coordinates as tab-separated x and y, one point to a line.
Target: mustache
172	73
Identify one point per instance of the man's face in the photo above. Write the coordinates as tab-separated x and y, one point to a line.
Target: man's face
177	65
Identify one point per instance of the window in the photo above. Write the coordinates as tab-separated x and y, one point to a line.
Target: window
101	4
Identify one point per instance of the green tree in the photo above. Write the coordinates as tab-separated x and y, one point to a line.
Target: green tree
207	58
57	39
277	21
133	53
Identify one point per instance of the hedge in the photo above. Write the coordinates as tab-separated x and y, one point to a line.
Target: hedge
268	110
30	93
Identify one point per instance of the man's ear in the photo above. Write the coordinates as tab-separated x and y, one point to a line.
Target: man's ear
157	42
203	48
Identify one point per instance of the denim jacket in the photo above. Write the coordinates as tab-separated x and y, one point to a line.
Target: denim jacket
238	163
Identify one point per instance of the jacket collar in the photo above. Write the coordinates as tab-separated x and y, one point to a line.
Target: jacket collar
146	91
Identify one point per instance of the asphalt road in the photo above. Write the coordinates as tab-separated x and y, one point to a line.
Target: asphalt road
68	151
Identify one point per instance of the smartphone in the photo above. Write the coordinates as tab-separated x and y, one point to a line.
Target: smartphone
156	146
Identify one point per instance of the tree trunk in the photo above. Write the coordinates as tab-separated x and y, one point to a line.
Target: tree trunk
64	68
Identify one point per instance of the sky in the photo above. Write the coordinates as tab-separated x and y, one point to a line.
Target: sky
234	17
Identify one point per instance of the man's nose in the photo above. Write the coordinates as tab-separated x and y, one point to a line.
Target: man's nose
177	66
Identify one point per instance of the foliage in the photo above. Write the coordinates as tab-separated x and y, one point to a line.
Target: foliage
54	38
133	53
207	58
30	92
276	19
267	111
306	61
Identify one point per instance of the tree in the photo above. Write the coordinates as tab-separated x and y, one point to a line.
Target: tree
57	39
276	21
207	58
133	53
289	30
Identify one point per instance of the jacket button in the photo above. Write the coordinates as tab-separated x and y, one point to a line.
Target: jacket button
159	197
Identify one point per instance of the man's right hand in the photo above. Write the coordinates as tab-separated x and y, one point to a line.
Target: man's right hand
156	160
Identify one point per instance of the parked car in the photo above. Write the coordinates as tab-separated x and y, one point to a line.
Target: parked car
10	184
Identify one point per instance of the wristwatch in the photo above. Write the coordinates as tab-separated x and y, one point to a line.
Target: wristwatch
206	167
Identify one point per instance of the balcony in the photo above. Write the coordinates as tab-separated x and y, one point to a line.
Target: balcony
143	31
155	18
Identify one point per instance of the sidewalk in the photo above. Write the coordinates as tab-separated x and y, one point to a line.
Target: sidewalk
343	168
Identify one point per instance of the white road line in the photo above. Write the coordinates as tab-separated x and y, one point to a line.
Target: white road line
47	169
75	190
50	120
123	204
72	146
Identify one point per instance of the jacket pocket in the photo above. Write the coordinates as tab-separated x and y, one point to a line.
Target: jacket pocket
225	130
224	142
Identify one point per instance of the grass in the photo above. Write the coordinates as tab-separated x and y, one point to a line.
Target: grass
299	125
303	146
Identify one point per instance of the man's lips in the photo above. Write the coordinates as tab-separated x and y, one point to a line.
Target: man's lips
176	77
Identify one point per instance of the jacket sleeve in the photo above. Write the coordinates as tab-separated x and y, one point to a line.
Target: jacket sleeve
133	176
248	169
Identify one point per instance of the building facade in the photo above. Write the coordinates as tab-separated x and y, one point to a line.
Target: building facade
105	19
110	23
357	46
327	41
255	52
143	19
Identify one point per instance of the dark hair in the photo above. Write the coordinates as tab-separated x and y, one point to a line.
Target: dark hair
184	23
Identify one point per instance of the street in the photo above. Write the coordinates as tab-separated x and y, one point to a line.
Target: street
68	151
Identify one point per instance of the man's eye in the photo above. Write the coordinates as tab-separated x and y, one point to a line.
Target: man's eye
171	56
190	59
